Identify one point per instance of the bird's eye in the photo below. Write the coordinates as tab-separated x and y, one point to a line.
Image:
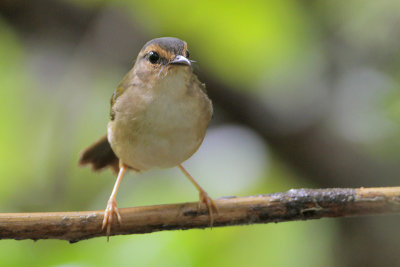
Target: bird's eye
153	57
187	54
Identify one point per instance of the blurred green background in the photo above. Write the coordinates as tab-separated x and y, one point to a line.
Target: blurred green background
306	94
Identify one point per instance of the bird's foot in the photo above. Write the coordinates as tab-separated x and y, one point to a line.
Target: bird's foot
210	204
109	213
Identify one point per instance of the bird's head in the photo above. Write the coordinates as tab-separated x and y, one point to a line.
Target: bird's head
162	56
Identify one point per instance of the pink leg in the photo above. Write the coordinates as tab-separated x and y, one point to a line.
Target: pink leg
204	197
111	208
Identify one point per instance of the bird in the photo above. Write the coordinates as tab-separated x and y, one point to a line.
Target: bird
158	119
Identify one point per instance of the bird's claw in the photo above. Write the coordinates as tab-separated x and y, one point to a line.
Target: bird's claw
210	204
109	212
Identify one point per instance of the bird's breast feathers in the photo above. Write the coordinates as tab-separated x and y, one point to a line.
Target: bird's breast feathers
162	125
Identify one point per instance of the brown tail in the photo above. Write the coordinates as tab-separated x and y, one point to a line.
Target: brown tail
100	156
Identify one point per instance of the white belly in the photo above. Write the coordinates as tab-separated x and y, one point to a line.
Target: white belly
164	128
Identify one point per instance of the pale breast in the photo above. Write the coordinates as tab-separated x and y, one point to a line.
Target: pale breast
163	126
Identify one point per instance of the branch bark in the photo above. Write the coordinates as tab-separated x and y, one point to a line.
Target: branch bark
295	204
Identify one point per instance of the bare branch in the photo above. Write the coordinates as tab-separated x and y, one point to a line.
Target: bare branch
295	204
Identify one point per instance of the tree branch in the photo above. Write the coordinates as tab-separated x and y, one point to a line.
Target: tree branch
295	204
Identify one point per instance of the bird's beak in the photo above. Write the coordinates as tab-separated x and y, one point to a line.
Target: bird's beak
180	60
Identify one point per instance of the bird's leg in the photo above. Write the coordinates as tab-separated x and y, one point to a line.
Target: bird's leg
204	197
111	208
